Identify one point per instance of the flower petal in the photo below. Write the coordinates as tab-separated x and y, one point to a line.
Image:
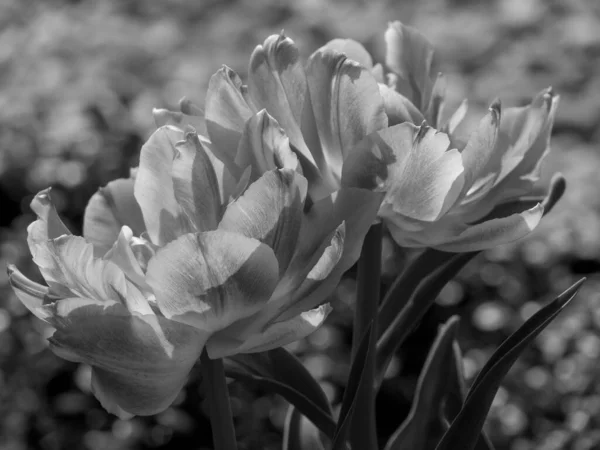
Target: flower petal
346	104
140	363
494	232
352	50
264	146
413	165
276	82
271	211
164	218
48	226
275	335
481	145
30	293
123	256
107	211
357	209
226	112
44	208
398	108
212	279
195	183
409	55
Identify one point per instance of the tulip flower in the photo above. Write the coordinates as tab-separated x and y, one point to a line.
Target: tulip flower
321	110
181	257
438	188
441	197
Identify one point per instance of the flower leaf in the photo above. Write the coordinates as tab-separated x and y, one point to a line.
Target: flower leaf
465	429
280	372
299	433
354	385
423	418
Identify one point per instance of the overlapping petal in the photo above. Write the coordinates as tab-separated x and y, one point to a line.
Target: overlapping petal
140	362
109	209
346	104
275	335
209	280
271	211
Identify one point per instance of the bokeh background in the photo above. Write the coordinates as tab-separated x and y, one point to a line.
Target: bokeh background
78	80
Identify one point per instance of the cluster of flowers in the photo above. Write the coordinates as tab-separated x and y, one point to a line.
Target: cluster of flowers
242	216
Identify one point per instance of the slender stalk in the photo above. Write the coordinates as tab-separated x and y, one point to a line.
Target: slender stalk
363	433
404	285
221	420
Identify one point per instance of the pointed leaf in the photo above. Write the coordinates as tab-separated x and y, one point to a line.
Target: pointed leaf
423	419
299	433
354	385
420	301
465	429
280	372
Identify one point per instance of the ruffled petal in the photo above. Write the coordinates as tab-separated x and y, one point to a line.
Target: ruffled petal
164	218
346	104
39	233
421	177
275	335
276	82
140	363
494	232
109	209
226	112
271	211
212	279
264	146
195	183
409	55
30	293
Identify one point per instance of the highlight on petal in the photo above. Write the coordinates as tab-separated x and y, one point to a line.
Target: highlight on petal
30	293
481	145
276	82
421	177
409	55
226	112
139	363
195	183
352	50
122	254
346	104
154	191
209	280
273	336
264	146
109	209
494	232
271	211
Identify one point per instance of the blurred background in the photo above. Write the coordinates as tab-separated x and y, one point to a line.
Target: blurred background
78	80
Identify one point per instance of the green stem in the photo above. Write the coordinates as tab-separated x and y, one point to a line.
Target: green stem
404	285
363	433
221	420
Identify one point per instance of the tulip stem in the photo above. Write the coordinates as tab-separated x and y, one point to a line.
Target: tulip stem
221	420
363	433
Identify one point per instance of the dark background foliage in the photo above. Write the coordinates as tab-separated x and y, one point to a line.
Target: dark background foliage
78	80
